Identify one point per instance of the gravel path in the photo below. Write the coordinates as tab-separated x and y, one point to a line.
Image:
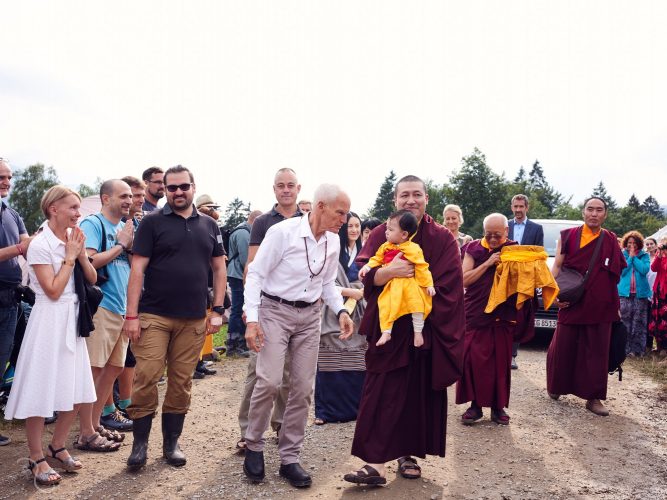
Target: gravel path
550	450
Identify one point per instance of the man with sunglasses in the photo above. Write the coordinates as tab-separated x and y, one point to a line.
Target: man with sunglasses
174	248
154	179
488	339
14	241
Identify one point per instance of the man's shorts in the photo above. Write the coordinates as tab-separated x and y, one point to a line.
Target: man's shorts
107	345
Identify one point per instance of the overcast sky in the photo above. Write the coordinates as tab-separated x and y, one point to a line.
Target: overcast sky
340	91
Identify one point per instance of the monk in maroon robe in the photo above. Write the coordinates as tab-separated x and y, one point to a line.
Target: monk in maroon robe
578	356
403	407
489	336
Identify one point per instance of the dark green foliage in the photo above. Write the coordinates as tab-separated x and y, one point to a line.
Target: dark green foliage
633	202
28	187
478	190
384	202
601	192
652	207
235	213
85	190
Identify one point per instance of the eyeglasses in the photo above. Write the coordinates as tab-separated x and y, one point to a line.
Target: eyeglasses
491	236
172	188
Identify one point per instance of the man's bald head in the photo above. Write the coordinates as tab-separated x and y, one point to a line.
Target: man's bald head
496	229
253	215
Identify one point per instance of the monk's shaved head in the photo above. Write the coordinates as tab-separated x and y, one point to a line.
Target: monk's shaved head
495	220
496	229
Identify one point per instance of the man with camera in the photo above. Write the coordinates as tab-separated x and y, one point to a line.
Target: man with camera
14	241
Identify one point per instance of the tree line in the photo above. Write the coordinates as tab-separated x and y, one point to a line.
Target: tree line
479	191
29	185
475	187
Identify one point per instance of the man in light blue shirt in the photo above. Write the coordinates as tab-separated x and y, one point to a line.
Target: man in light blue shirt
108	241
239	240
524	232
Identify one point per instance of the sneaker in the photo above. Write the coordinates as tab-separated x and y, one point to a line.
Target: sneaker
514	365
116	421
4	440
198	375
51	419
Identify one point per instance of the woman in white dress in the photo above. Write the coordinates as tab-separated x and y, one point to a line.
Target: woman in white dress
53	370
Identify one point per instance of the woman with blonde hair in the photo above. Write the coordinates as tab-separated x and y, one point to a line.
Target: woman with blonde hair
53	370
453	220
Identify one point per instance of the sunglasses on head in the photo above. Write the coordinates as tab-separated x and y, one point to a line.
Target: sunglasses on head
172	188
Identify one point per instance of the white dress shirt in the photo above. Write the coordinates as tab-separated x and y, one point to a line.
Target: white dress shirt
280	267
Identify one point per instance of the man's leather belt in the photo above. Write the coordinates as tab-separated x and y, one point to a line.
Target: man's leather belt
294	303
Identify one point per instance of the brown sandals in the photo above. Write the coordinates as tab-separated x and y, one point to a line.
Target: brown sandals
92	443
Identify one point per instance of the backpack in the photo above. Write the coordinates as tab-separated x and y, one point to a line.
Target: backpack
619	336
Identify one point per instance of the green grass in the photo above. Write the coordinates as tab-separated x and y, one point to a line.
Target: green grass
653	367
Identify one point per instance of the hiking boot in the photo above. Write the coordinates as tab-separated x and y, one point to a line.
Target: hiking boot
116	421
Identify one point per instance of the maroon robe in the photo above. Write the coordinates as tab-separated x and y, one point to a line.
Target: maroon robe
403	407
578	356
488	339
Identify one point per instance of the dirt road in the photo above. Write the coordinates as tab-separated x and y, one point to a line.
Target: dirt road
550	450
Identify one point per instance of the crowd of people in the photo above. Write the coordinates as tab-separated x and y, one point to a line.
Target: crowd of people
374	318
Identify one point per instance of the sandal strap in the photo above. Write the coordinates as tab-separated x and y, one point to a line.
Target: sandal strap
55	452
368	471
33	463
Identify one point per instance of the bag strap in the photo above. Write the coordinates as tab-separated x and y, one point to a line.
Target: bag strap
596	252
104	233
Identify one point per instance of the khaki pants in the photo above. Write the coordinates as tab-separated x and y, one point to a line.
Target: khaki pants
295	331
174	342
281	398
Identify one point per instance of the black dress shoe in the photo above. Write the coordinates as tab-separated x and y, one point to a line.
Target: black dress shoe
253	465
296	476
205	370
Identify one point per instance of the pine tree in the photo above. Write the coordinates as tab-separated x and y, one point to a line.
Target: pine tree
478	190
235	213
652	207
384	203
601	192
633	203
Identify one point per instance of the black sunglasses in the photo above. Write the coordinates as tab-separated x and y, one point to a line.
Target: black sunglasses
172	188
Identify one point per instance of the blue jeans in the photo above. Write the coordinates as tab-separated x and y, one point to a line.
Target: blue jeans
8	317
236	326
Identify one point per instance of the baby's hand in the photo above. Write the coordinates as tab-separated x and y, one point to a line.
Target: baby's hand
430	290
364	272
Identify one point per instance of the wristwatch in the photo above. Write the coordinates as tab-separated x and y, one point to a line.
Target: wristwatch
218	309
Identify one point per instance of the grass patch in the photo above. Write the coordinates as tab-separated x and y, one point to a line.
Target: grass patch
653	367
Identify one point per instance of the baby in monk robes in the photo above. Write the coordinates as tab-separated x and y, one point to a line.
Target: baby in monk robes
403	295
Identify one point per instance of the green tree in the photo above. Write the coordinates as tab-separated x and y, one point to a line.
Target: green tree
633	202
85	190
651	206
539	190
437	199
601	192
384	202
235	213
29	185
478	190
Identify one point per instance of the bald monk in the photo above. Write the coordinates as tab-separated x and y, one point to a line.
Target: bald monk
403	407
488	338
578	356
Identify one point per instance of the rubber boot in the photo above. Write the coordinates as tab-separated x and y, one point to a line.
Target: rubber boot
172	426
141	431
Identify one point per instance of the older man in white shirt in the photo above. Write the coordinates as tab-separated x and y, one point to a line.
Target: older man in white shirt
294	267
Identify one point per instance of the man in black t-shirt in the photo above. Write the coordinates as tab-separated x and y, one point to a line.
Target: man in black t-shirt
172	252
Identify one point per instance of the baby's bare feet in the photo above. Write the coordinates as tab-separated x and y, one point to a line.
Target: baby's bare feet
384	338
419	339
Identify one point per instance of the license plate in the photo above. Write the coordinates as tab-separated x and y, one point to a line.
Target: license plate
545	323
